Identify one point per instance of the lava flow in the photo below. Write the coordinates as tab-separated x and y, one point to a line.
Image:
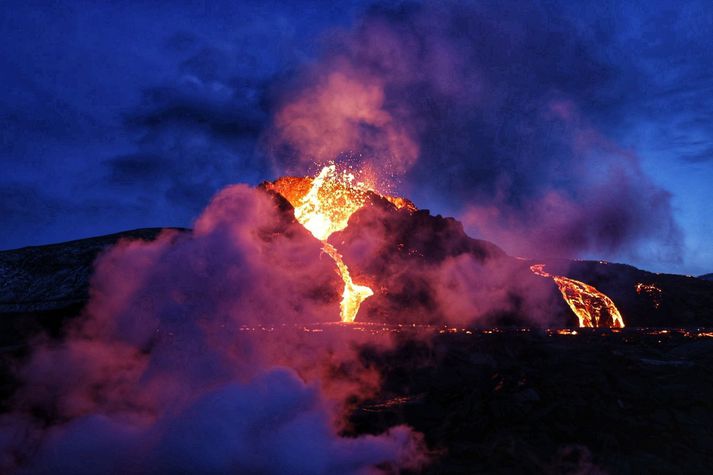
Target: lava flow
593	308
652	291
323	206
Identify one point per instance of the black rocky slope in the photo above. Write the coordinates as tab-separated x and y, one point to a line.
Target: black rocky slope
51	277
42	286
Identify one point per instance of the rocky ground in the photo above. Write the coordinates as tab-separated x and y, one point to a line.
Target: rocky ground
42	278
529	401
629	402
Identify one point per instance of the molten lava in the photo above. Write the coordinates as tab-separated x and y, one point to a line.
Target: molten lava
652	291
592	308
353	294
323	205
329	202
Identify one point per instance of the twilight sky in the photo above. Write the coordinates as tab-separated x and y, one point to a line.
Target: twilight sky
119	115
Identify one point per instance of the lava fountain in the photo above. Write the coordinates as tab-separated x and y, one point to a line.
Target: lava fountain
592	308
323	205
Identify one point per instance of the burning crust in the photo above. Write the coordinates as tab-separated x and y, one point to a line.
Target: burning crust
652	291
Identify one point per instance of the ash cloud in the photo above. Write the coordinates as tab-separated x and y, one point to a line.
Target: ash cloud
157	375
493	109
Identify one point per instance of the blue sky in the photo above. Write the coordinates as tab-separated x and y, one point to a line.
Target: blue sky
124	115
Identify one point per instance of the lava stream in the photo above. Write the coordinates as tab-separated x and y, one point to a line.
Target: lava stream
323	209
589	305
353	294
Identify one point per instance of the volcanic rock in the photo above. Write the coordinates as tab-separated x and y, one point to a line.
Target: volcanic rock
42	278
626	402
426	269
42	286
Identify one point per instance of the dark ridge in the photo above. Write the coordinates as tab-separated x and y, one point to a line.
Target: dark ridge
40	278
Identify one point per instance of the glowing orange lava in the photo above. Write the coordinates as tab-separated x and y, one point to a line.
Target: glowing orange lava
329	203
323	205
592	308
652	291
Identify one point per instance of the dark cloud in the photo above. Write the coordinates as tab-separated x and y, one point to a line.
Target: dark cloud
130	168
168	108
22	202
146	111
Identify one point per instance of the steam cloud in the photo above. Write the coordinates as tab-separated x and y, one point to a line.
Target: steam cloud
157	376
492	108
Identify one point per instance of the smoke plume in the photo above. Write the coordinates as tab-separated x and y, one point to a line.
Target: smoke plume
159	374
490	110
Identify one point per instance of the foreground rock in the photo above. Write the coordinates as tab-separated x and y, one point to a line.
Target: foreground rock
626	402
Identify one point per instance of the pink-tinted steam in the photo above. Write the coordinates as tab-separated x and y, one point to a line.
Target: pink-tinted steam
614	205
158	375
342	112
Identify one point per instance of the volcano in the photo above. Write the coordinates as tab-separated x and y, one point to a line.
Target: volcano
411	242
396	248
424	328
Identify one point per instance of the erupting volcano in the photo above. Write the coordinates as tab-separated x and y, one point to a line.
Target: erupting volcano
323	206
593	308
226	285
